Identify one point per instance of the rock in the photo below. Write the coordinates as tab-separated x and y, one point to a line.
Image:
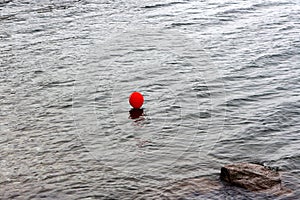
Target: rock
253	177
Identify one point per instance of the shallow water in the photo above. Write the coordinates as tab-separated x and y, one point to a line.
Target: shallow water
220	82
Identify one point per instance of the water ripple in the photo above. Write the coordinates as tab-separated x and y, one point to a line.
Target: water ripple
220	81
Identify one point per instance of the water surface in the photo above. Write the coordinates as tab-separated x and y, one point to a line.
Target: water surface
220	82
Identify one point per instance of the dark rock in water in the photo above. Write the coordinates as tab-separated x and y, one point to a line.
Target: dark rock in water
253	177
250	176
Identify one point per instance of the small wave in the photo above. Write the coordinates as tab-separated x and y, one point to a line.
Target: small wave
4	35
238	11
237	102
273	59
183	24
159	5
59	83
270	4
3	2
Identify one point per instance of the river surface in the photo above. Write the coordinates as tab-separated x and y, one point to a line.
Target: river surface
220	81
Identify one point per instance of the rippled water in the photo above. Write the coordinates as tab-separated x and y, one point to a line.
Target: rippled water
220	81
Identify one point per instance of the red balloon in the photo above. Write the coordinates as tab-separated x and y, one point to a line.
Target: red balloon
136	100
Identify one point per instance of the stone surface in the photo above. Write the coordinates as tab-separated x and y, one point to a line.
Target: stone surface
253	177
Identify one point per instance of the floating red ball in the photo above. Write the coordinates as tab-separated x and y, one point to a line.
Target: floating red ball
136	100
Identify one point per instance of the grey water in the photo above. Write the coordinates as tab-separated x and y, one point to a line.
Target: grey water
220	81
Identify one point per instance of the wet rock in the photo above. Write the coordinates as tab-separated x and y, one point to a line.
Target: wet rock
253	177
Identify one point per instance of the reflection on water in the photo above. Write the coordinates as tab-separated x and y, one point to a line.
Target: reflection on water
137	114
